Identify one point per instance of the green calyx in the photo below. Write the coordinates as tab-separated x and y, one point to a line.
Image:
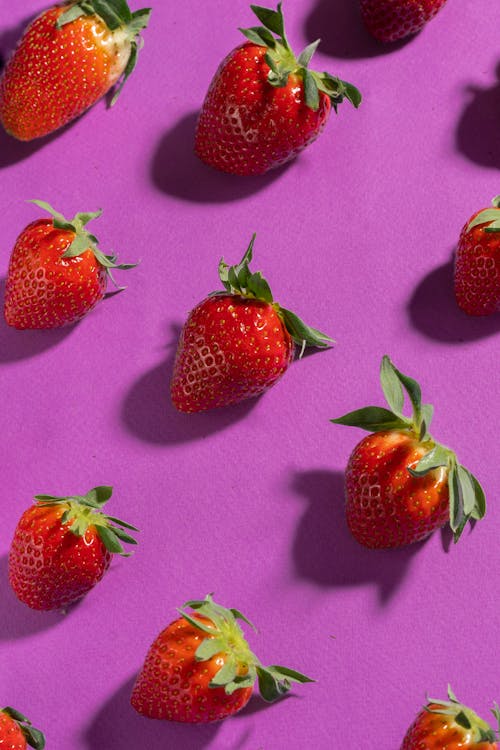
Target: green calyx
116	14
239	280
489	217
465	717
241	667
84	240
283	63
84	511
467	500
33	736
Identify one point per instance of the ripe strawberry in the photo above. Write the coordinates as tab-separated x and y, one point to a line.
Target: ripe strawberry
390	20
236	343
450	725
57	274
16	732
201	669
477	263
401	485
62	547
264	105
68	58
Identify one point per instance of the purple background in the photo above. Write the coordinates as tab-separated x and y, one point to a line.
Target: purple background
356	236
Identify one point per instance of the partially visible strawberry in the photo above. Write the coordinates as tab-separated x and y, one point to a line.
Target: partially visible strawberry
57	274
68	58
62	547
477	263
236	343
200	669
264	105
16	732
390	20
401	485
451	725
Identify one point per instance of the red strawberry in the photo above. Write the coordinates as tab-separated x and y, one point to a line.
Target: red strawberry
201	669
401	485
16	732
264	105
57	274
450	725
390	20
68	58
236	343
62	547
477	263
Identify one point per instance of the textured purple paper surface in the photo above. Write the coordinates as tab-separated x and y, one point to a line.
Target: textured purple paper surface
357	237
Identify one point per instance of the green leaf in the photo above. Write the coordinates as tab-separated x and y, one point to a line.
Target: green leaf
115	13
488	216
456	509
391	386
110	540
290	674
373	419
480	507
311	93
239	616
123	536
427	412
34	737
226	674
140	21
74	12
122	523
467	490
269	688
462	720
271	19
208	648
79	245
259	287
195	622
301	332
414	392
99	496
239	683
260	36
15	714
435	458
304	58
352	94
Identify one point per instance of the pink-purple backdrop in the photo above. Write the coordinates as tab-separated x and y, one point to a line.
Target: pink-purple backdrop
356	236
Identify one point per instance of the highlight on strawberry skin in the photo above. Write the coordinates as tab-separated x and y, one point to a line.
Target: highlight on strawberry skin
264	104
200	669
69	57
392	20
401	484
17	732
63	546
450	724
57	273
237	343
477	263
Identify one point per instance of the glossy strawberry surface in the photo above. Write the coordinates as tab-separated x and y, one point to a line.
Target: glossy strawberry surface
477	270
56	74
385	505
173	685
437	731
390	20
50	567
45	290
11	735
231	348
246	125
